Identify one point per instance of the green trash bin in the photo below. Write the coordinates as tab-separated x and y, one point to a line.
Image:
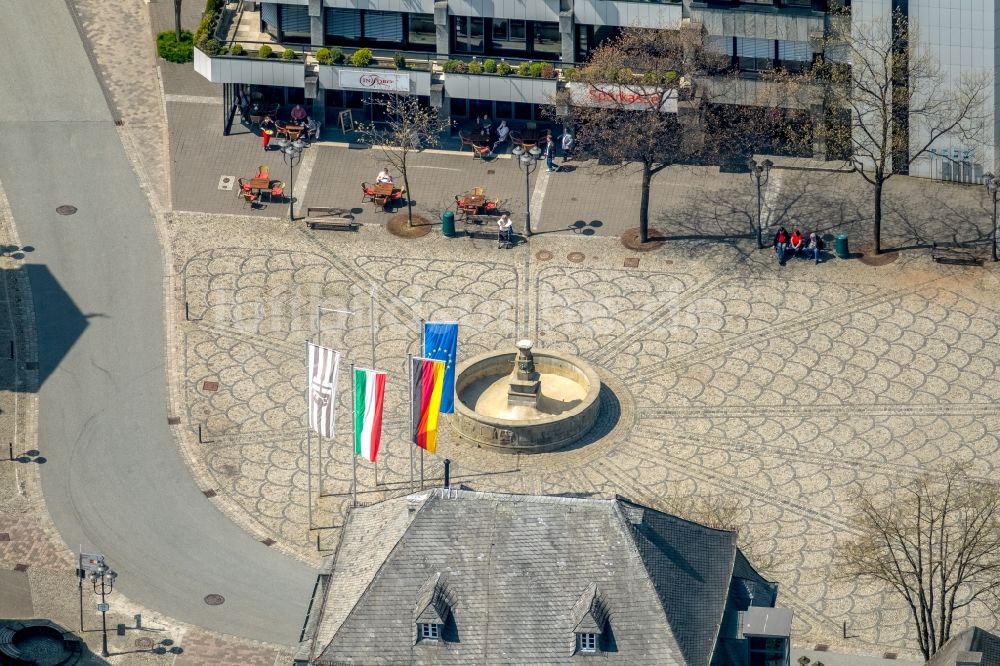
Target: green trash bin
840	246
448	223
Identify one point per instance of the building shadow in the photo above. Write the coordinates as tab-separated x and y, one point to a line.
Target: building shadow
59	323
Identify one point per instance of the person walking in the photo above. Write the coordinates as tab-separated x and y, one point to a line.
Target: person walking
506	230
550	153
567	141
267	130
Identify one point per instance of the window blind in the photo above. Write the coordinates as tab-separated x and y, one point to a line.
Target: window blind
295	18
800	51
343	23
384	26
269	13
751	47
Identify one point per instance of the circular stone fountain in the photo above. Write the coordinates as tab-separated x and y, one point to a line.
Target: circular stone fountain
525	401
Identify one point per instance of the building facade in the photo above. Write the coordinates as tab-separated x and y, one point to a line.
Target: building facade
508	58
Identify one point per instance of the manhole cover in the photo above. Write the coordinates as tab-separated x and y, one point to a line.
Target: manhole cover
543	255
21	567
269	542
215	599
173	420
576	257
66	210
210	386
144	643
632	262
208	493
226	183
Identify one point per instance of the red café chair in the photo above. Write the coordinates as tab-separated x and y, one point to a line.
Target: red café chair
492	206
250	198
277	190
367	193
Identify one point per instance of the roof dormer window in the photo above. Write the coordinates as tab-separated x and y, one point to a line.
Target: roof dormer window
429	632
586	643
590	621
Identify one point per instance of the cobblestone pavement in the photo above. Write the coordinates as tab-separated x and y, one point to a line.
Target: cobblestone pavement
725	376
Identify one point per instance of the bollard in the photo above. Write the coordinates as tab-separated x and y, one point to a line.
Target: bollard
186	313
138	620
447	473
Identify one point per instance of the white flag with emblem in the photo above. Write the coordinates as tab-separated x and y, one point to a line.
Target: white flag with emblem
323	365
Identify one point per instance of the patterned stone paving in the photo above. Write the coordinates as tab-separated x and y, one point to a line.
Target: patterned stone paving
781	389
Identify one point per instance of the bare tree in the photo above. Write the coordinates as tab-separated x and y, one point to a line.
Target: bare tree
411	127
936	543
898	101
624	101
177	20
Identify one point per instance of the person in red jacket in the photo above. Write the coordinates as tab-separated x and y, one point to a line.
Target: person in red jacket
797	242
781	244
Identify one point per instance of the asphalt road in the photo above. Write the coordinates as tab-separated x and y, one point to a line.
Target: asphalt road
114	480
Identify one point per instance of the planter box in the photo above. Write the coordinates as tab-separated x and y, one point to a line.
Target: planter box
501	88
375	79
247	69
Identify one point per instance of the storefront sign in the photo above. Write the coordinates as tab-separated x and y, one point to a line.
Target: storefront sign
374	81
635	98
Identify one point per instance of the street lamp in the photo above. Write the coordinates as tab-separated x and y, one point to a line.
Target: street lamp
103	574
527	161
291	152
991	186
760	172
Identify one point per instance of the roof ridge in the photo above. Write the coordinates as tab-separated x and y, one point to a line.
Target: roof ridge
454	494
722	614
625	500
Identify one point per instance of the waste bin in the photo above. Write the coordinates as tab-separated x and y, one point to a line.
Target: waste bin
840	246
448	223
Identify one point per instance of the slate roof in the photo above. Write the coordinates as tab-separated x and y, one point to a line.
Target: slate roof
973	645
516	575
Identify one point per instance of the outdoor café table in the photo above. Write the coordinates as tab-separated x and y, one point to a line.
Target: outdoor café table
469	199
481	138
383	189
260	184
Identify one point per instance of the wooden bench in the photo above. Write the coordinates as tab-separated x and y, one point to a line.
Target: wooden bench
337	219
7	644
954	254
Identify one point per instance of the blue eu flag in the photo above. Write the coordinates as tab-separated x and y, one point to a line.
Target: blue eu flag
441	344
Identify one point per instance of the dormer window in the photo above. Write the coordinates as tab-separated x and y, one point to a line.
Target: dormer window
586	643
429	632
432	613
590	621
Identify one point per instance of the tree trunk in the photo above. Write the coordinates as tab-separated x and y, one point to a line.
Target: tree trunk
877	228
647	176
177	19
406	193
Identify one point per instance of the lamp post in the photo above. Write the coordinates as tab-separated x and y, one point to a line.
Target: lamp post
527	161
103	574
760	172
291	153
991	186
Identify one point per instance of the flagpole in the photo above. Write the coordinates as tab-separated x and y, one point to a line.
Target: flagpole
354	456
409	426
309	473
423	352
373	358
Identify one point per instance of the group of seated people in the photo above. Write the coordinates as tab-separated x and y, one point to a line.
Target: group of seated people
797	244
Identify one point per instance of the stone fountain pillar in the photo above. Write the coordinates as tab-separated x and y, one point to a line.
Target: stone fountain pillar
524	379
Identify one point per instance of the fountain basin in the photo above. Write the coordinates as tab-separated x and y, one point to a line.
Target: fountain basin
568	404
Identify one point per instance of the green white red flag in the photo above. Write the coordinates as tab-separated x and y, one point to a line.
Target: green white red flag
369	394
